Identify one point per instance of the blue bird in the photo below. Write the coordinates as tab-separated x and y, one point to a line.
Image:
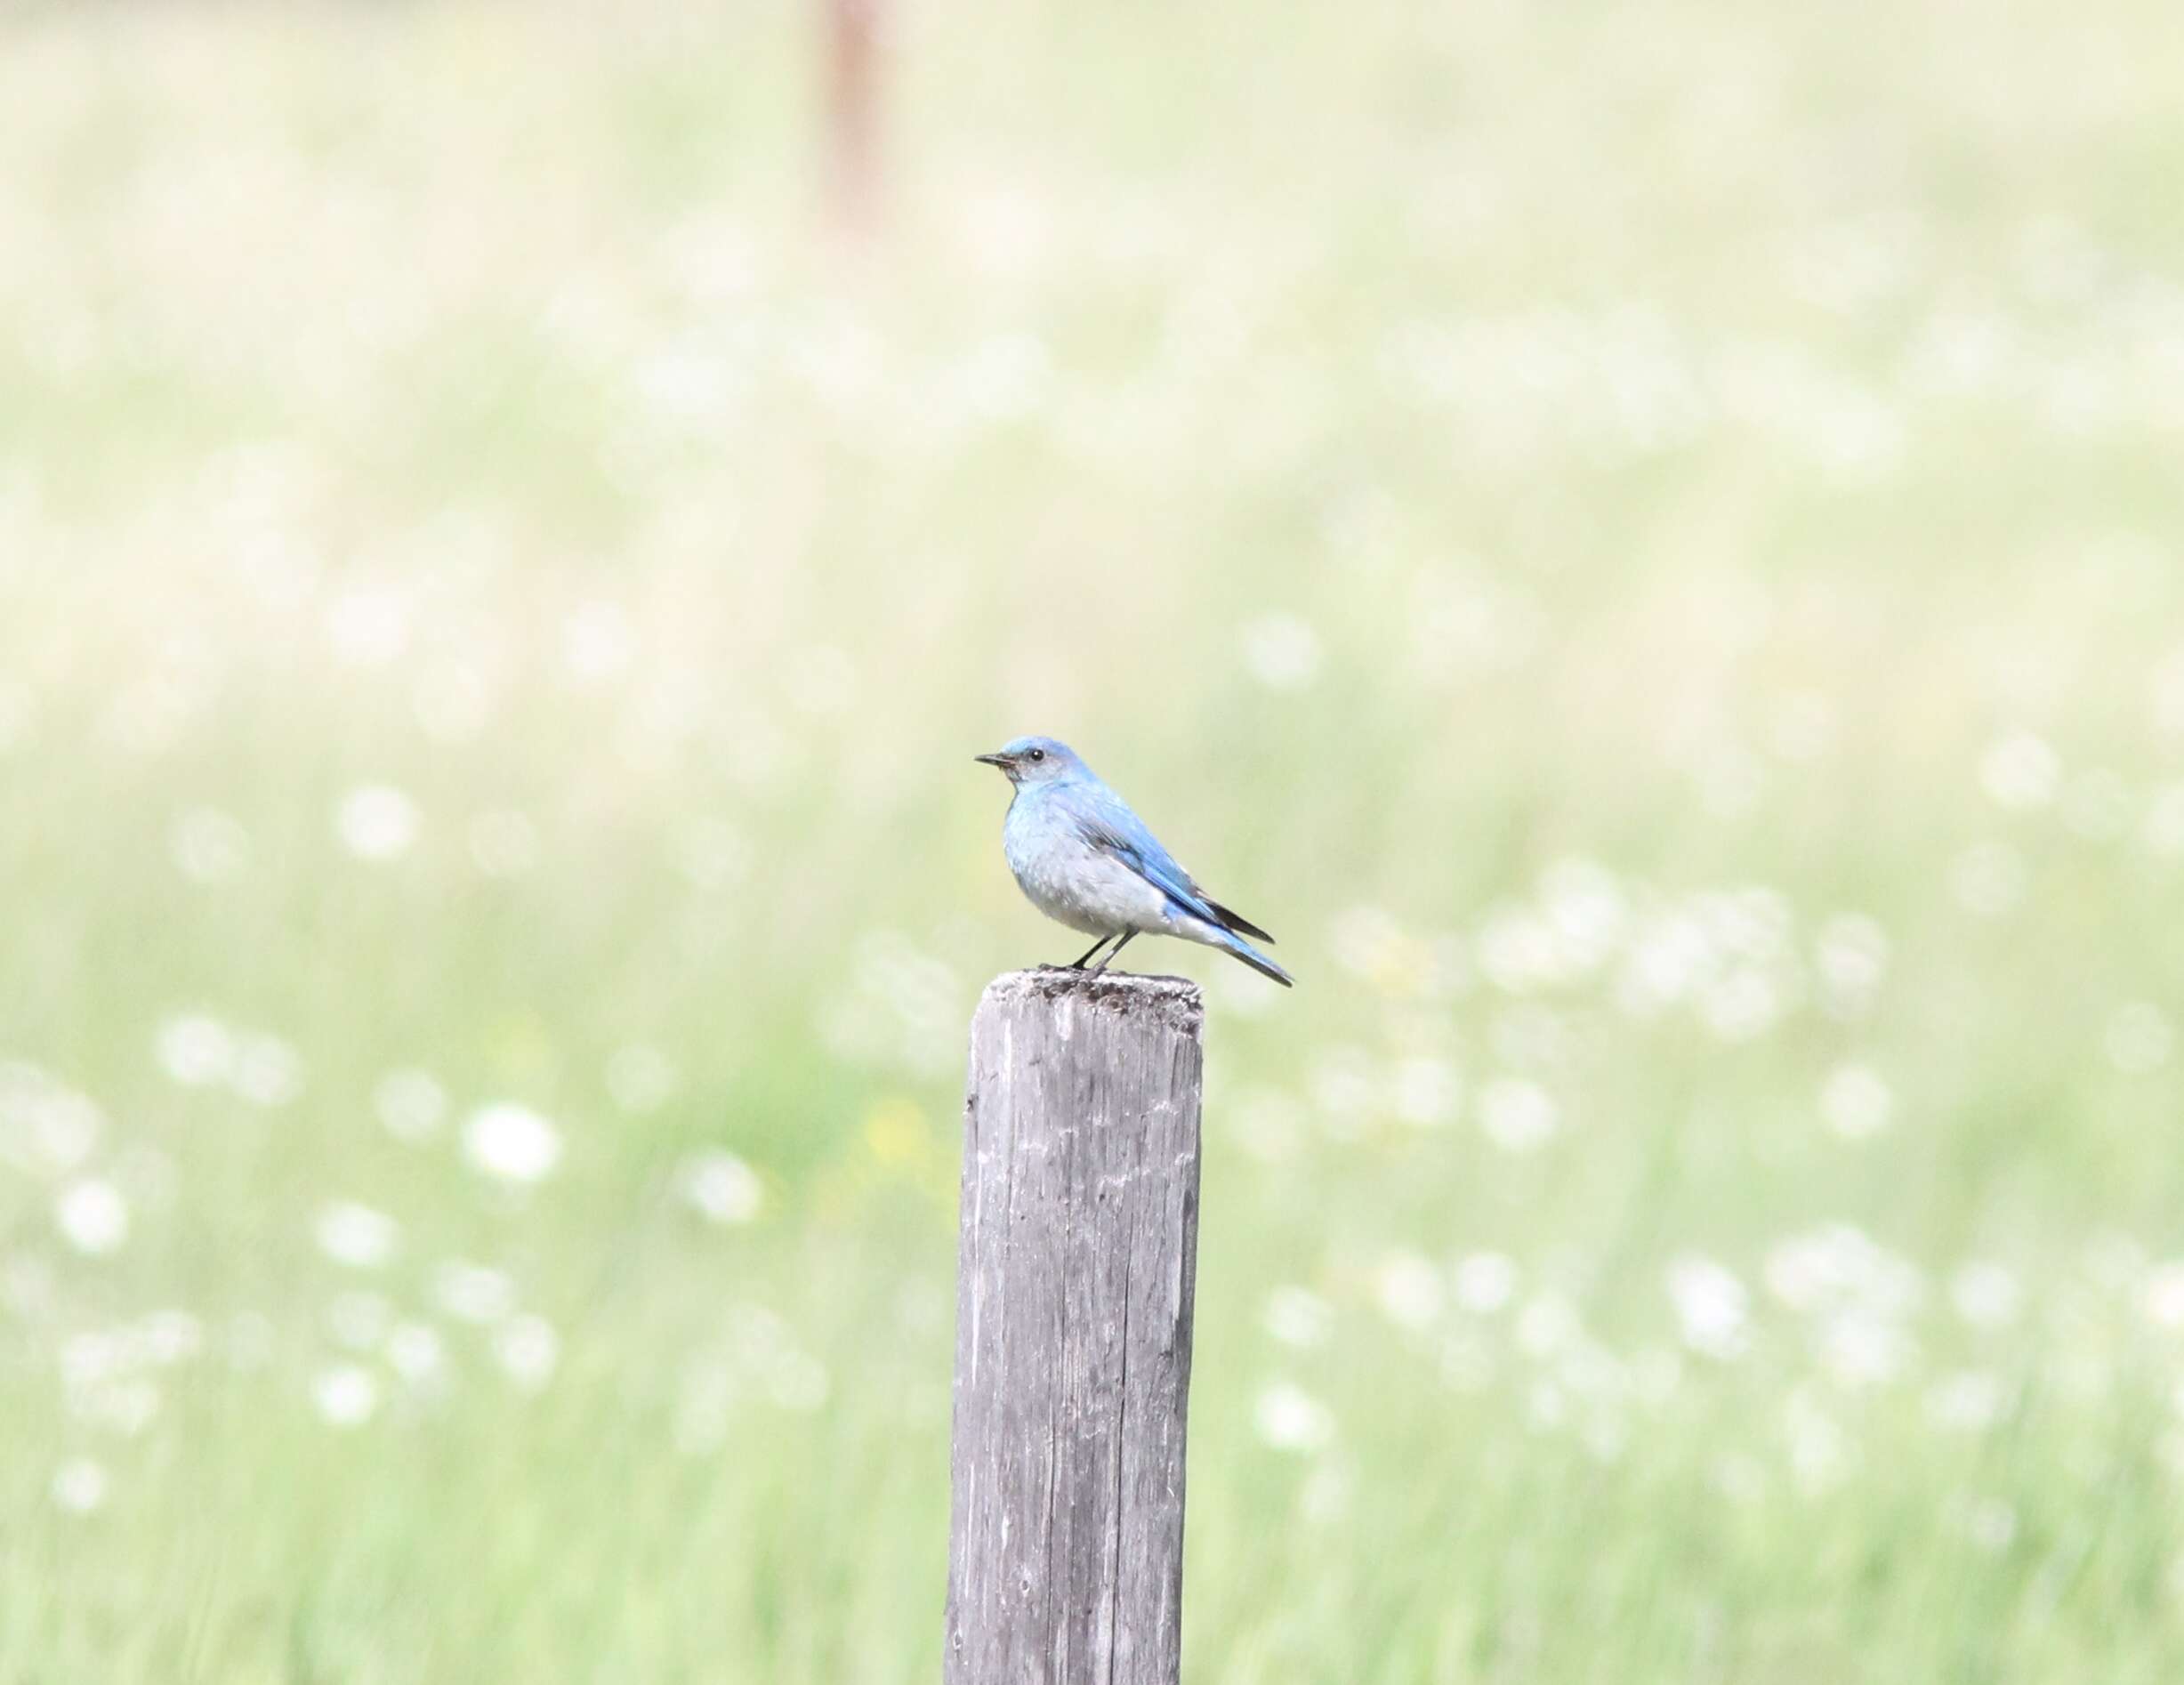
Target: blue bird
1083	858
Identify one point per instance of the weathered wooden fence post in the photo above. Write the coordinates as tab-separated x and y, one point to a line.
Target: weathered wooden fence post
1073	1315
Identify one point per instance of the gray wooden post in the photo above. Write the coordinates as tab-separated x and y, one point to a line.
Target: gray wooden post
1074	1282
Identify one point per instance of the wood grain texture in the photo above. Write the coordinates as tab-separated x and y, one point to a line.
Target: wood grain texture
1074	1293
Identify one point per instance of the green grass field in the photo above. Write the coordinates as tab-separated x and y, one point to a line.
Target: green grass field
1643	542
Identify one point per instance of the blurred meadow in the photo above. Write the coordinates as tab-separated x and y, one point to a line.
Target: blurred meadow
1642	541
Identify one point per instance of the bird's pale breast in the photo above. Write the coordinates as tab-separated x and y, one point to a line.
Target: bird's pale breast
1073	882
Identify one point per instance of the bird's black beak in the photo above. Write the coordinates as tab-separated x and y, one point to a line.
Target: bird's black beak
1000	761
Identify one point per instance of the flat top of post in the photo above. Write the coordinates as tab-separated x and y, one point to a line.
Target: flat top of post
1173	1000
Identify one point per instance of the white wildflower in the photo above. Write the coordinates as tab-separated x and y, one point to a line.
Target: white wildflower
511	1143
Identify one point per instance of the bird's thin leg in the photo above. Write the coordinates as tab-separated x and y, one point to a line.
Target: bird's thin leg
1078	964
1117	948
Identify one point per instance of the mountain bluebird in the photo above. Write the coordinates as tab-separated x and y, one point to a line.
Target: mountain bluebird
1085	859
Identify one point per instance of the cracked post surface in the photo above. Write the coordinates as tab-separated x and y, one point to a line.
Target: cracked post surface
1074	1296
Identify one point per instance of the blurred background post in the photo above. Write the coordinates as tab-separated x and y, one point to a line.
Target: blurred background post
1641	541
855	30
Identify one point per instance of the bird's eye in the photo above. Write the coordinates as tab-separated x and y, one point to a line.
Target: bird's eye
1037	754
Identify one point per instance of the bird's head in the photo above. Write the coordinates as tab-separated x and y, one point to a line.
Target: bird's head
1036	761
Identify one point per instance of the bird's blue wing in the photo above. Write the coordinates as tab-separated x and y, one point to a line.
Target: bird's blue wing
1104	820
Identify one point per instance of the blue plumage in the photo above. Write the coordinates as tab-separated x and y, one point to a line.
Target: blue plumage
1083	858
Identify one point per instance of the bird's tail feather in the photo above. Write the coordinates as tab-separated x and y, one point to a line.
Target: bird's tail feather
1257	961
1237	922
